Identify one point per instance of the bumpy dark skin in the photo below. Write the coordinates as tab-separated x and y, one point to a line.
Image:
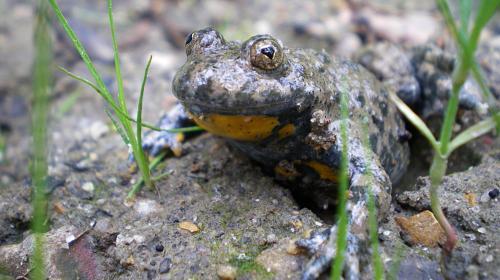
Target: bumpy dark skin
281	107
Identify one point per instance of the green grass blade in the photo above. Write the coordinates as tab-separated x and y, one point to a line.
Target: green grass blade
139	105
118	127
465	10
85	81
3	147
487	8
481	81
396	262
80	49
472	132
459	37
138	185
120	112
377	263
415	120
67	104
342	223
119	80
136	149
42	83
140	151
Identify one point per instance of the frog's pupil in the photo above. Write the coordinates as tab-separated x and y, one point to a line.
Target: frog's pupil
268	51
189	38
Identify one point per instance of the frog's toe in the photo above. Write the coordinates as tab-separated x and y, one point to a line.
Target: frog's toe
322	247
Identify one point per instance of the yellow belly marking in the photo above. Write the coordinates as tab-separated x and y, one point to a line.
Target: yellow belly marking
286	131
323	170
244	128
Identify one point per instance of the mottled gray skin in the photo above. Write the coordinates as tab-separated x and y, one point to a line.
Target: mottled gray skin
220	77
421	77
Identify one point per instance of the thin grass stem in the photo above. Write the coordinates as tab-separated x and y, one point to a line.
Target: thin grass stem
342	222
42	82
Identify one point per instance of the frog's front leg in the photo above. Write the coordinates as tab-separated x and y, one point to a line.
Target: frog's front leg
156	141
323	245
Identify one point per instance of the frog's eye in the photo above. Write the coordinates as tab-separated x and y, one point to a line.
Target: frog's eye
266	54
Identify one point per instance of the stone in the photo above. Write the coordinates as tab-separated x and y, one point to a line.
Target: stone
422	229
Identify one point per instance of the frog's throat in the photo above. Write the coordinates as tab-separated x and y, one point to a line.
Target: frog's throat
238	127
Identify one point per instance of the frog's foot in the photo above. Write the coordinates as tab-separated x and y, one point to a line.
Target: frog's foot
322	247
156	141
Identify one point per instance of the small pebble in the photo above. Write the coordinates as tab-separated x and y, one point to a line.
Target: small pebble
485	197
129	261
271	238
489	258
189	226
226	272
98	129
293	249
494	193
165	265
471	199
422	228
470	236
88	187
481	230
159	248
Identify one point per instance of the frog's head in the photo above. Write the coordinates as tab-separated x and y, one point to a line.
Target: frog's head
245	86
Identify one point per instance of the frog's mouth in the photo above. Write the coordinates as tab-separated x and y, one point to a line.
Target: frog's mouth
238	127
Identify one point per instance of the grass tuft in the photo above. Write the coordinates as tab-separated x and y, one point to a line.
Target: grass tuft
120	118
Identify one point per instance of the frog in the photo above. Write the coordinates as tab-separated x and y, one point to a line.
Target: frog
282	108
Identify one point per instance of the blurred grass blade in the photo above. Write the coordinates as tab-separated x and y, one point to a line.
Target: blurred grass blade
378	266
138	185
117	127
487	8
415	120
139	115
85	81
42	82
136	149
68	103
465	10
139	105
459	37
119	111
396	262
80	49
472	132
342	221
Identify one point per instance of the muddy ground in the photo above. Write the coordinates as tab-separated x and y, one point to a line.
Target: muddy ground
216	214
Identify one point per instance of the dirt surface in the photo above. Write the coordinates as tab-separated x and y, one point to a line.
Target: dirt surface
215	214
